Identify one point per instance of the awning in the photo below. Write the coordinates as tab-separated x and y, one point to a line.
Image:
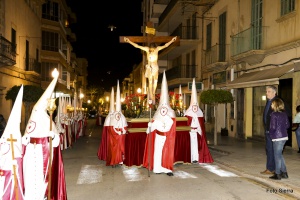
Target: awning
260	78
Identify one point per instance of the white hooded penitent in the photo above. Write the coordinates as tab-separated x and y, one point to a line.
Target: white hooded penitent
194	110
12	128
119	121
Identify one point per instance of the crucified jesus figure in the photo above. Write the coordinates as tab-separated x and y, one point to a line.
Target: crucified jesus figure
151	71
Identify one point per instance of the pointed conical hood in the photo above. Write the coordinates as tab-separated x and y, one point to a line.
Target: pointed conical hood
194	109
39	121
118	98
107	121
194	94
42	102
118	120
180	93
13	124
164	95
164	107
112	101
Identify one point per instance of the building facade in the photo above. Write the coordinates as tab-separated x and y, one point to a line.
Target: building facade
35	39
240	46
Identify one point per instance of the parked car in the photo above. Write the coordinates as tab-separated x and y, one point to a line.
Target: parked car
92	114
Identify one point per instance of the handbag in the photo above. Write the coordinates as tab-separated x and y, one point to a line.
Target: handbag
295	126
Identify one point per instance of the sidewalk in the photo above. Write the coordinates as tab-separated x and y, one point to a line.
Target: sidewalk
248	158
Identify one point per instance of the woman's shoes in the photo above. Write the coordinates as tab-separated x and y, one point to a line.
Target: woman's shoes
276	177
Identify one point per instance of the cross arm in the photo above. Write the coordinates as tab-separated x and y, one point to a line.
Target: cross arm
153	39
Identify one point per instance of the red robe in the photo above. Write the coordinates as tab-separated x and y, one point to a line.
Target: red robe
203	151
58	183
115	147
167	152
102	151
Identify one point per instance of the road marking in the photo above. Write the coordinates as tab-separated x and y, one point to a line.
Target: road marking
183	175
216	170
132	174
90	174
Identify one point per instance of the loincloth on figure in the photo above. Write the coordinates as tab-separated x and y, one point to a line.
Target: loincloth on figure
151	71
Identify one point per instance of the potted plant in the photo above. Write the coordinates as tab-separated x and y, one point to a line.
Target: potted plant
215	97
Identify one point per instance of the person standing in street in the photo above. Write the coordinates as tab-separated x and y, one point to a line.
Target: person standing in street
43	167
199	150
297	121
279	123
271	94
116	135
161	135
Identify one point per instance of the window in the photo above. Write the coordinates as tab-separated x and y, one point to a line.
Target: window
256	22
27	55
50	11
50	41
208	36
287	6
13	40
222	37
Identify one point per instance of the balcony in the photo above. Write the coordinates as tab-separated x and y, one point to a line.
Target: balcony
158	8
7	52
179	74
215	58
32	64
247	46
188	38
173	13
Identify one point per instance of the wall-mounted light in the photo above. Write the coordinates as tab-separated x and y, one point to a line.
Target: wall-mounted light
263	97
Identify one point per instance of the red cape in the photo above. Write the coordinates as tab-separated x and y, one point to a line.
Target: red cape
102	151
204	153
167	152
115	147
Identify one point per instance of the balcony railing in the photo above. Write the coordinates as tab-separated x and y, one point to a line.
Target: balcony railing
32	64
247	40
182	71
171	5
7	52
217	53
186	32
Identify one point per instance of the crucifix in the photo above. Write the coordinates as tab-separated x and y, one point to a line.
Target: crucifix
16	185
151	69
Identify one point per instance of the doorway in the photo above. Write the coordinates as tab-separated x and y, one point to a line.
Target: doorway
285	91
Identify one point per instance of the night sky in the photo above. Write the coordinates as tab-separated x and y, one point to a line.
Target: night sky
108	59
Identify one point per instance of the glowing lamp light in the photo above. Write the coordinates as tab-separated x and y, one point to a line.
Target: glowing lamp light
55	73
139	90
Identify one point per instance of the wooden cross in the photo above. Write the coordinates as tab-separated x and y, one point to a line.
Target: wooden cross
12	140
150	38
